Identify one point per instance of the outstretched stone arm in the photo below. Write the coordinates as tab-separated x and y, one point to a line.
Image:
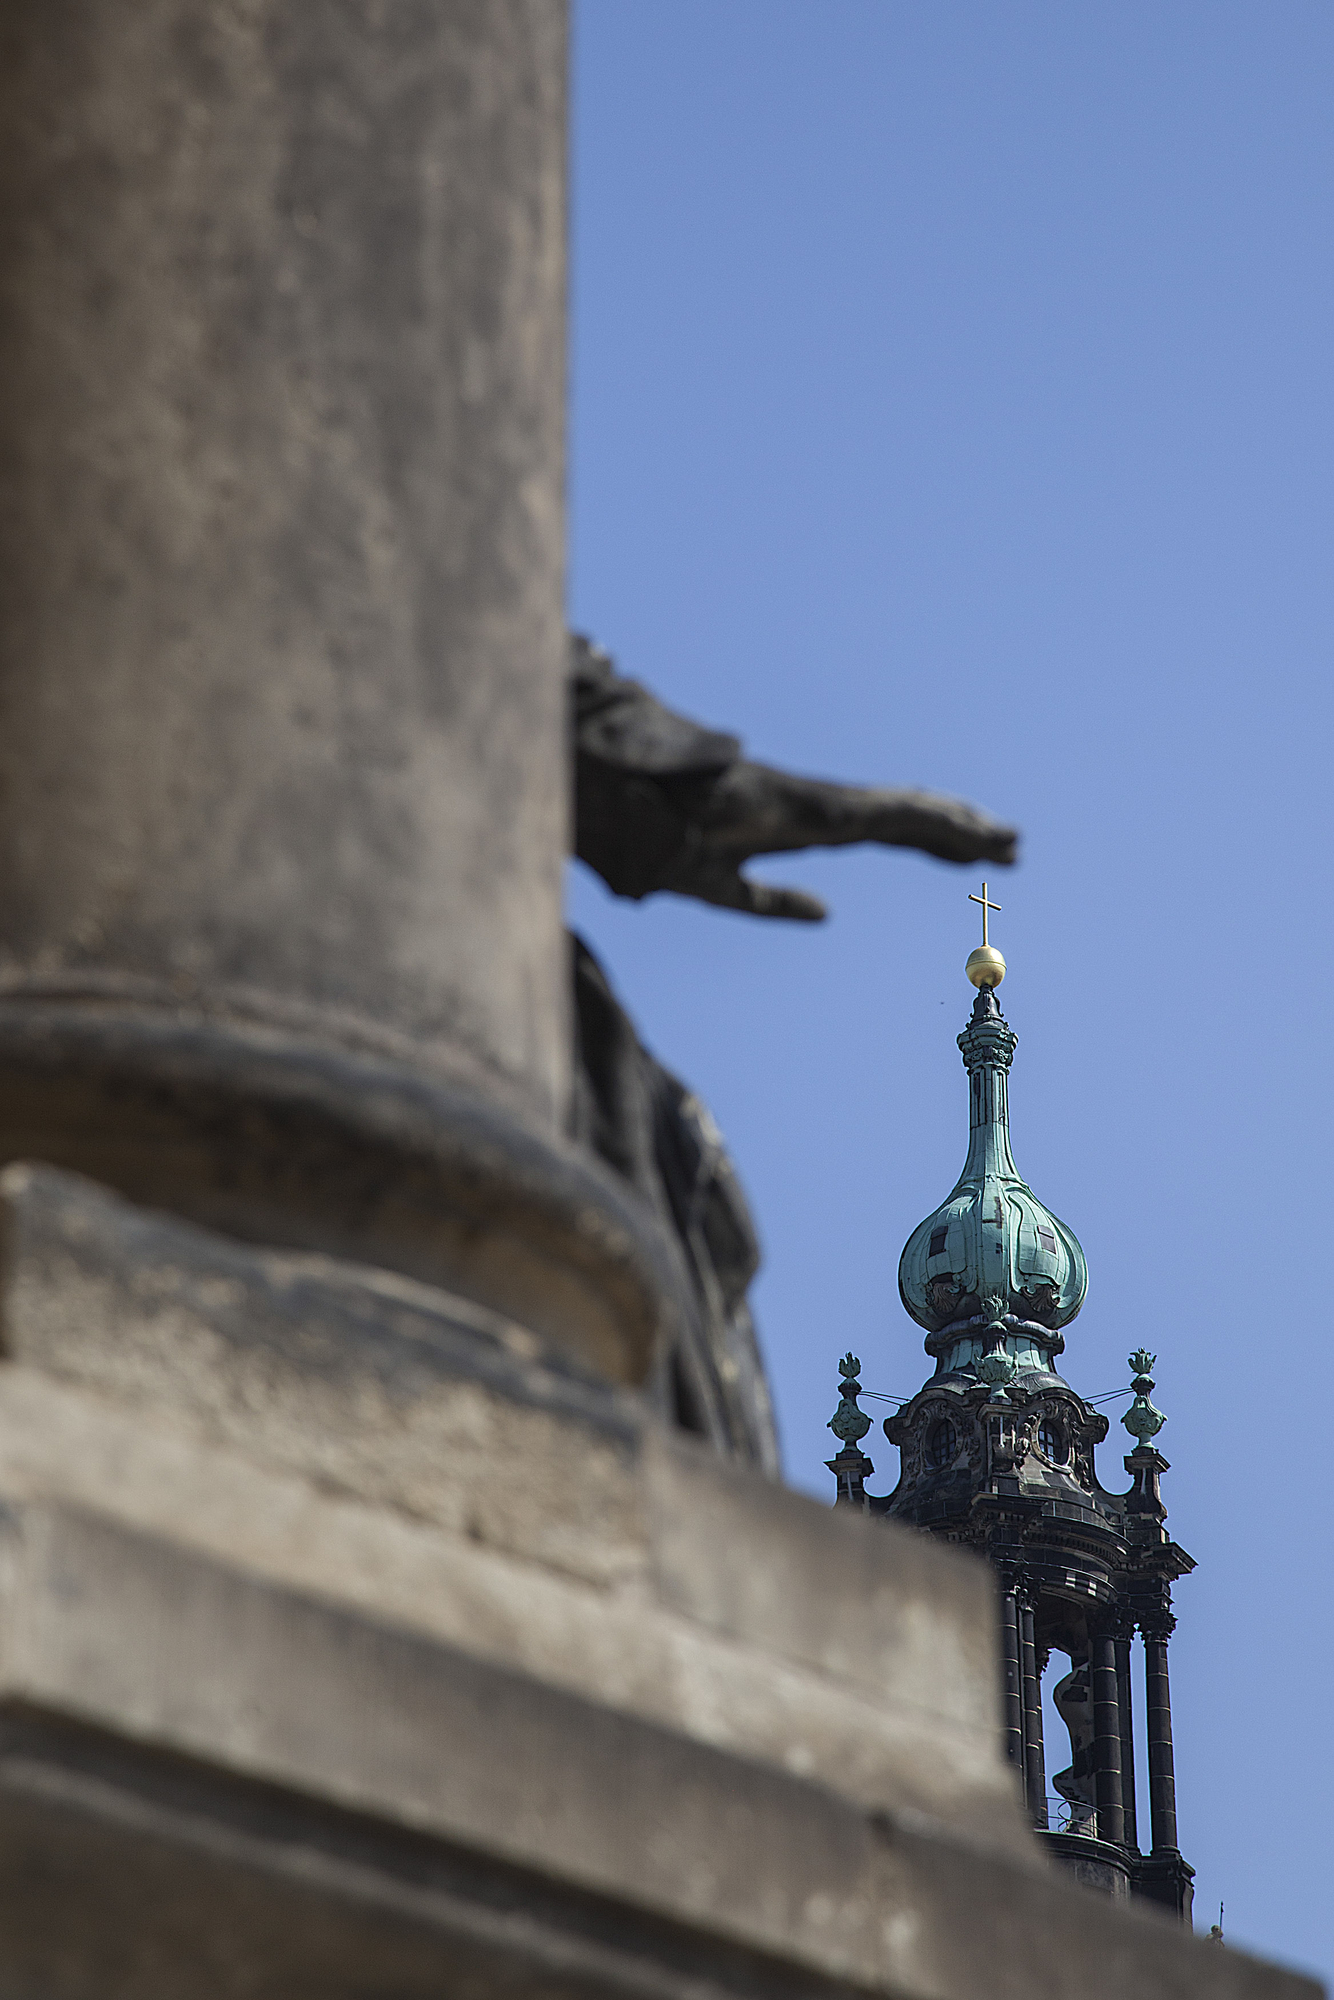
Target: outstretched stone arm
661	803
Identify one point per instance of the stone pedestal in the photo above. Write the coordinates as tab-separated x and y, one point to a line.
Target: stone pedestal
350	1642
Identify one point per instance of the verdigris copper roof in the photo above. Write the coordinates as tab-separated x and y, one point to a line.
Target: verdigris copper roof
991	1254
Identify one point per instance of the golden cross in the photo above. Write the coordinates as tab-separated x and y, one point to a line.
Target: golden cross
982	899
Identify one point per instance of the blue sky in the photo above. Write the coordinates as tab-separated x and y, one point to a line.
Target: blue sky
952	405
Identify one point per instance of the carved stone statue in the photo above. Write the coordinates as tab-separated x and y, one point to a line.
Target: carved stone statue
664	804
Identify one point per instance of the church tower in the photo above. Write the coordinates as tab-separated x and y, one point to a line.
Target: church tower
998	1455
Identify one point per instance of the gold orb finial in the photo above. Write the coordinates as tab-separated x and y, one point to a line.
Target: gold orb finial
985	966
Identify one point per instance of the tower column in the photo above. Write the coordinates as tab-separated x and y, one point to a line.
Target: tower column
1158	1716
1011	1683
1107	1738
1035	1771
1126	1710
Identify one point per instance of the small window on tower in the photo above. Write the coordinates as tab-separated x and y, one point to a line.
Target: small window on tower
937	1245
1047	1238
1054	1443
942	1444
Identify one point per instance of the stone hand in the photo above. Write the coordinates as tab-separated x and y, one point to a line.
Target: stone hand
750	809
663	803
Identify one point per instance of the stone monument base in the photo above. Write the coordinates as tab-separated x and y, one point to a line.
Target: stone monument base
354	1641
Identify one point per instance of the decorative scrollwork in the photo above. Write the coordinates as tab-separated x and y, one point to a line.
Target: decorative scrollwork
949	1298
1039	1301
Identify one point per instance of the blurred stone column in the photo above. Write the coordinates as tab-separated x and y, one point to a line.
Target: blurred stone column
283	788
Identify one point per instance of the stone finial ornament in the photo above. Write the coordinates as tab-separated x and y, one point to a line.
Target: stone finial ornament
849	1422
997	1368
1142	1420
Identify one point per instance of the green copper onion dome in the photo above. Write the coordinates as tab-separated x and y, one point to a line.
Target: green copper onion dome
992	1272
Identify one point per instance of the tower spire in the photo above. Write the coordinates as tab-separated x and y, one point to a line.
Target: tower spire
991	1272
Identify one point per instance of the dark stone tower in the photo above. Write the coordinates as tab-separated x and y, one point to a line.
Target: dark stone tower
998	1455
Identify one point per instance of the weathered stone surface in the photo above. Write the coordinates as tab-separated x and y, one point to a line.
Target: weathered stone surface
283	763
367	1383
280	512
628	1827
277	1141
349	1434
782	1580
289	1706
342	1370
